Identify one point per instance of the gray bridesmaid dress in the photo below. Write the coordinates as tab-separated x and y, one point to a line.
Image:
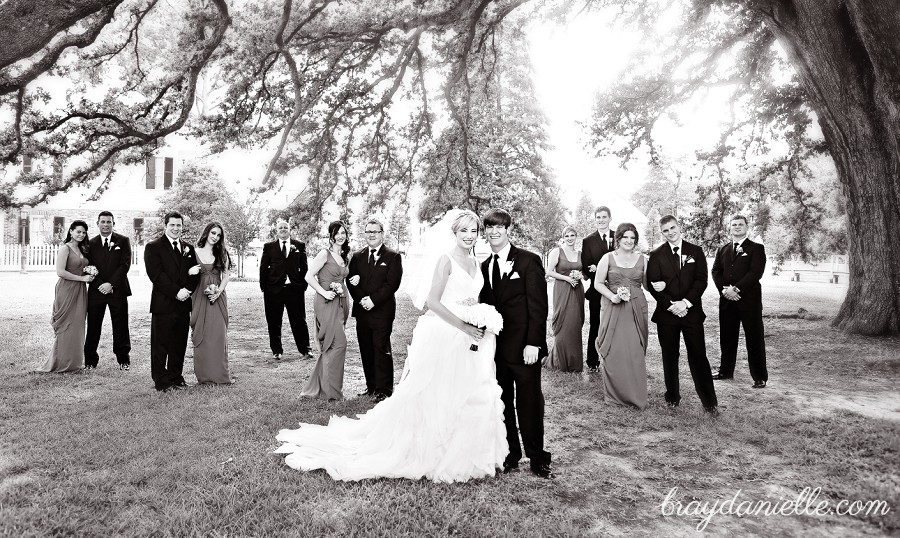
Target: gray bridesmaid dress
568	318
209	330
69	316
622	340
327	378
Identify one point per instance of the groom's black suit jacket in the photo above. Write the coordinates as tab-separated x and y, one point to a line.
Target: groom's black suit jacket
522	302
689	282
379	282
112	266
169	273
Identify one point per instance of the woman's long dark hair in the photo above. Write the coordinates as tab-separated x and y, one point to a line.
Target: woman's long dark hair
83	244
333	229
221	258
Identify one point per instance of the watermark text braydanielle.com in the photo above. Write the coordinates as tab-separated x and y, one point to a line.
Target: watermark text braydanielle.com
807	502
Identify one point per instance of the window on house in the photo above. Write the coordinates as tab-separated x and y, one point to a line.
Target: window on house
138	226
59	228
25	231
167	172
151	173
27	164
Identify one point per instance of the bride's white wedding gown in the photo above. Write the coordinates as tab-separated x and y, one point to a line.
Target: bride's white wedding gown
444	421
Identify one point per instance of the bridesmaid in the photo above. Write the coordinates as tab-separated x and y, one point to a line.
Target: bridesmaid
331	311
568	305
209	314
622	341
70	302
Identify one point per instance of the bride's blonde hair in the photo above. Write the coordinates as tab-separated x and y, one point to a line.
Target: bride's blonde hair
465	218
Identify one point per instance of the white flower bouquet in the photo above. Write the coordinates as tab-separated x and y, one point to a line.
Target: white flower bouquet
577	275
624	293
481	315
337	288
91	270
211	290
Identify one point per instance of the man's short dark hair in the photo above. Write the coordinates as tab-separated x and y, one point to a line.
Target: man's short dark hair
106	214
741	217
603	208
172	215
497	217
667	218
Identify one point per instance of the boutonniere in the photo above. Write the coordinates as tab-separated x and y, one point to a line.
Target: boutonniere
686	259
111	245
293	248
185	250
507	266
739	250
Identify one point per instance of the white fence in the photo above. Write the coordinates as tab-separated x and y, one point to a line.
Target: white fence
43	258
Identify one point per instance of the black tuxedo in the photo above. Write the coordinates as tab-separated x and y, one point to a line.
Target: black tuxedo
380	282
521	299
283	283
743	270
112	263
593	247
685	278
168	270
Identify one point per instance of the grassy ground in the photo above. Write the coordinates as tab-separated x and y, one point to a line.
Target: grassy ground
102	454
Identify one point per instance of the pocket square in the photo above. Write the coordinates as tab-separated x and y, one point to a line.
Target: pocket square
691	260
514	276
383	264
744	254
117	248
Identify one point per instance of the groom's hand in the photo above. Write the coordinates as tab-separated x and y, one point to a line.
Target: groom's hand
530	355
105	288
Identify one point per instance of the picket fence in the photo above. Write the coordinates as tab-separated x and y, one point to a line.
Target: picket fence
43	258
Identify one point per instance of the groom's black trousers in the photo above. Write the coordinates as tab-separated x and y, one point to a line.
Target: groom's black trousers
168	342
374	336
118	314
694	342
522	396
731	317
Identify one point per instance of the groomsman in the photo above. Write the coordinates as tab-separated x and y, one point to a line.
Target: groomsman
282	272
678	272
737	270
110	253
514	284
593	247
171	265
374	277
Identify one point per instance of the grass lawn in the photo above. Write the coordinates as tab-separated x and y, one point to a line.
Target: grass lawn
103	454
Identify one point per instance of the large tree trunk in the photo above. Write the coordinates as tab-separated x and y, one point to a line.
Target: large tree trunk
847	53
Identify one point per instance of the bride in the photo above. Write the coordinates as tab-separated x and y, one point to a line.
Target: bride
444	421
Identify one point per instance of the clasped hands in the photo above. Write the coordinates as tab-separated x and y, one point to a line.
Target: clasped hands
183	295
731	293
105	288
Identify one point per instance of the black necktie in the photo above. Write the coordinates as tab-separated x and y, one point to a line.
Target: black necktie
175	246
677	257
371	257
106	243
604	241
284	248
736	246
495	272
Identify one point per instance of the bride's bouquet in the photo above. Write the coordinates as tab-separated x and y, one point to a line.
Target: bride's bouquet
337	288
481	315
624	293
90	270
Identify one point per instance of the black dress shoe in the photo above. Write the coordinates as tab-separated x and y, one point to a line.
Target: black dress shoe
379	397
672	405
712	410
719	377
276	356
543	470
124	366
593	369
509	467
759	384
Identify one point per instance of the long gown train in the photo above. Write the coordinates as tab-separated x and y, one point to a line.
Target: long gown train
443	422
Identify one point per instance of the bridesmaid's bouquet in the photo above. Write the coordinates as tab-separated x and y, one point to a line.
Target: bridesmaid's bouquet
624	293
337	288
577	275
481	315
211	290
90	270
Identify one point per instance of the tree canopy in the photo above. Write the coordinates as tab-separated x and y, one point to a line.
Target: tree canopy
374	96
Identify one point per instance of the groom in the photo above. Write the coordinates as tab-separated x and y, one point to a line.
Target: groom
514	284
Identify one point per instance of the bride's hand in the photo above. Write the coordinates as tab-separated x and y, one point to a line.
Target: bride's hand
329	295
474	332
